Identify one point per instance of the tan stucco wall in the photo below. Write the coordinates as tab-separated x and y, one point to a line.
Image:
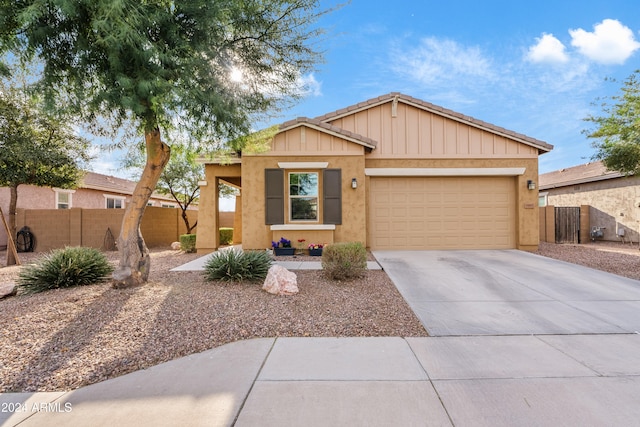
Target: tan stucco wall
527	227
208	216
613	204
257	235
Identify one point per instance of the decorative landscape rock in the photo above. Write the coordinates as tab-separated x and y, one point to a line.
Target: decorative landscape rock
175	246
8	290
280	281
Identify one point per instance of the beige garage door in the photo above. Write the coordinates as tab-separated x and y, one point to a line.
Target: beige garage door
442	213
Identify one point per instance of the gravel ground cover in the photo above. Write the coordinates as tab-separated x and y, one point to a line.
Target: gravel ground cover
65	339
68	338
618	258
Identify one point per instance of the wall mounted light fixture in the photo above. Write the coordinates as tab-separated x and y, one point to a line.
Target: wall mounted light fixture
531	185
354	183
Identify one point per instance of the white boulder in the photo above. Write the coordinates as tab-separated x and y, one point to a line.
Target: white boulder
8	290
280	281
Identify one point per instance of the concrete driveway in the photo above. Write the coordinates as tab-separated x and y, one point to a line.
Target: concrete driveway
511	292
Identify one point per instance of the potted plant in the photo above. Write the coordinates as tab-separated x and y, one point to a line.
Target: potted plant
315	249
282	247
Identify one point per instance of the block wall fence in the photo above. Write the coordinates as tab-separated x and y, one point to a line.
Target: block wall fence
57	228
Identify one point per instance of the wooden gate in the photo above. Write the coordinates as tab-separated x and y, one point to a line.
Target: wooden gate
567	225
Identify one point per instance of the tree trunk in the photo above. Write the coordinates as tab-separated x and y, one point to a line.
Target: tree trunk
185	218
135	262
13	203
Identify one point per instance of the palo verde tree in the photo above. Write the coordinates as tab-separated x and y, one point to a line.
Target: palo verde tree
161	64
35	149
617	133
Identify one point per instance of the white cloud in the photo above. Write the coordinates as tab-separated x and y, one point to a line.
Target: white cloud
435	61
308	85
609	43
548	50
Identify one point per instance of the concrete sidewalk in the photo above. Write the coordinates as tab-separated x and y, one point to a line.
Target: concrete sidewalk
464	381
294	264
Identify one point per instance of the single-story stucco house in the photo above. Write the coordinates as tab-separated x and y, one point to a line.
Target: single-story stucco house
612	197
392	172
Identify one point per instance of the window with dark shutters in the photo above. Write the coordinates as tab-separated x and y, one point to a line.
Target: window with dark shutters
274	196
332	196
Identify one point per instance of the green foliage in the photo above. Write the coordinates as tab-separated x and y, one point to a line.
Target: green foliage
188	243
617	133
344	260
35	147
226	235
64	268
255	142
167	64
233	265
179	179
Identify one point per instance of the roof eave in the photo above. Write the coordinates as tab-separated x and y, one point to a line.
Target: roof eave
585	180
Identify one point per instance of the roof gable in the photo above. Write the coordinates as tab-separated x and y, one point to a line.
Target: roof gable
309	137
339	117
327	128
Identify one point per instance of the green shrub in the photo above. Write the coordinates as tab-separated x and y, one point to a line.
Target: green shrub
235	265
344	260
188	243
64	268
226	235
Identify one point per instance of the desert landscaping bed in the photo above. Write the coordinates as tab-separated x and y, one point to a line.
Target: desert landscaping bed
618	258
64	339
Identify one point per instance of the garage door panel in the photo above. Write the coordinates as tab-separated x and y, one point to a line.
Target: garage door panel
442	213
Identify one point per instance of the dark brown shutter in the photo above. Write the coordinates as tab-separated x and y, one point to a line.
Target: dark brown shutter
332	196
274	196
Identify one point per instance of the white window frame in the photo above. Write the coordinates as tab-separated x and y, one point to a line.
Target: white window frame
122	200
290	197
69	193
545	199
168	205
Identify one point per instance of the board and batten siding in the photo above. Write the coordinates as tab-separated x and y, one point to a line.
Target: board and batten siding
416	133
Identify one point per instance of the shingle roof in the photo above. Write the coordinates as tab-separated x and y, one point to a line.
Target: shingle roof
302	121
540	145
581	174
105	182
97	181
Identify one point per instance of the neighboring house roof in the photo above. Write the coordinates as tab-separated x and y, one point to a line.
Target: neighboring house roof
96	181
399	97
581	174
328	128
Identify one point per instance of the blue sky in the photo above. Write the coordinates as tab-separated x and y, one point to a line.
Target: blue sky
535	67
